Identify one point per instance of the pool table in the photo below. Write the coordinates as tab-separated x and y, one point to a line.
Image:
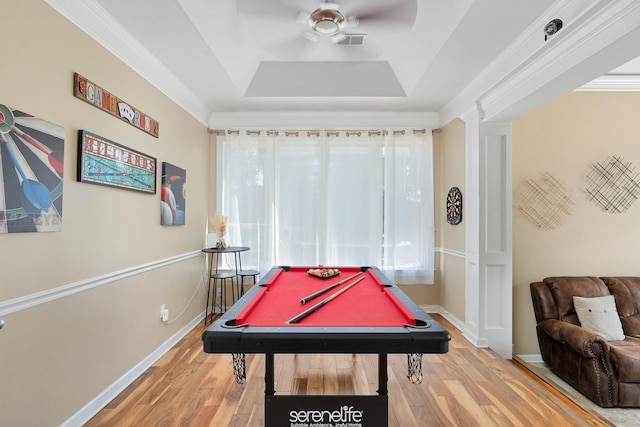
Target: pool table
369	315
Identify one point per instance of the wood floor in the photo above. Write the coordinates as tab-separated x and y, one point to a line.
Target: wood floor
465	387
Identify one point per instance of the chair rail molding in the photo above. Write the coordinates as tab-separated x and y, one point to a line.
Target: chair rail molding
451	252
32	300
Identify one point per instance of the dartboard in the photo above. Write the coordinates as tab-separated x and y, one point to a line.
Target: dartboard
31	170
454	206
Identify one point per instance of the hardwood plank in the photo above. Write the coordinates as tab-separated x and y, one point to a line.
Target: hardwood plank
467	386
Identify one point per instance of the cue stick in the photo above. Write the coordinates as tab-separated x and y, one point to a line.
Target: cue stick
328	288
323	302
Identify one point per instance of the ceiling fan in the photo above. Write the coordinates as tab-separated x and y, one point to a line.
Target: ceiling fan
327	20
333	20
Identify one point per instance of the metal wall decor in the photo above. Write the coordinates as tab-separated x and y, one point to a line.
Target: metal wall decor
545	201
612	185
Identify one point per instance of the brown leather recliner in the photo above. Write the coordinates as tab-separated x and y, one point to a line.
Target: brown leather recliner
607	372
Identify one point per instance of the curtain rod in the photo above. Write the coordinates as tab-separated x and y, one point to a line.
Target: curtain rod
307	132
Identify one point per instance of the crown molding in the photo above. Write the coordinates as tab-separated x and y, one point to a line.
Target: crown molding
516	55
532	65
590	35
613	83
323	120
536	66
91	18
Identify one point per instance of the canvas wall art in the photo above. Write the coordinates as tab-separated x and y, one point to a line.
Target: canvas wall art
173	195
31	171
105	162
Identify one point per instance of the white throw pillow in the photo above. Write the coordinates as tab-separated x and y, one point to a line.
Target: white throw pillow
600	315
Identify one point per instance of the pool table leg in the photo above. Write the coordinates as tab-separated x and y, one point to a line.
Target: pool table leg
382	374
269	380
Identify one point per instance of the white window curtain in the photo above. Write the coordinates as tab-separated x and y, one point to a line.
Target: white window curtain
330	198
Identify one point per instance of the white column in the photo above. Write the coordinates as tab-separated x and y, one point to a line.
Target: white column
488	271
471	204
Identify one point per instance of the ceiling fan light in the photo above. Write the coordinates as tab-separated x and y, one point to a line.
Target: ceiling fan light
326	21
326	27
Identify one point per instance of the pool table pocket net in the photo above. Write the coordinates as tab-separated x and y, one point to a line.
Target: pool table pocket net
414	367
239	368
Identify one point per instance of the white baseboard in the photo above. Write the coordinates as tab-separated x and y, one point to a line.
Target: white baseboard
530	358
101	400
457	323
474	339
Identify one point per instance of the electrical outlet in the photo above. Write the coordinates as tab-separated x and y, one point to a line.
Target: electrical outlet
219	292
164	313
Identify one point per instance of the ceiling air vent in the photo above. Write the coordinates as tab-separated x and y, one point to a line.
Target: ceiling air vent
352	39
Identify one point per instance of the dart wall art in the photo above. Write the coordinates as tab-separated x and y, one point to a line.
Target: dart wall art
104	162
31	170
173	195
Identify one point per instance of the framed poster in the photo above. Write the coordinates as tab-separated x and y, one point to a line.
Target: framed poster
173	195
104	162
31	173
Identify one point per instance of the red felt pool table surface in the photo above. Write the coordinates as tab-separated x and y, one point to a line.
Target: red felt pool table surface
367	303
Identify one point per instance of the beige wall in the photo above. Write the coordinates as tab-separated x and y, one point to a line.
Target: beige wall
57	356
565	138
448	165
449	155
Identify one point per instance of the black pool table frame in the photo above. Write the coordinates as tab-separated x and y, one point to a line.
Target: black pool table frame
225	336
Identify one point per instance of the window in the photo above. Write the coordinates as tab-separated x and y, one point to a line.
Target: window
330	198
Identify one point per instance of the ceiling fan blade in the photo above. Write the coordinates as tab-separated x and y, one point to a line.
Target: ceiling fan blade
274	11
338	38
311	36
366	52
293	48
351	22
303	17
401	14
